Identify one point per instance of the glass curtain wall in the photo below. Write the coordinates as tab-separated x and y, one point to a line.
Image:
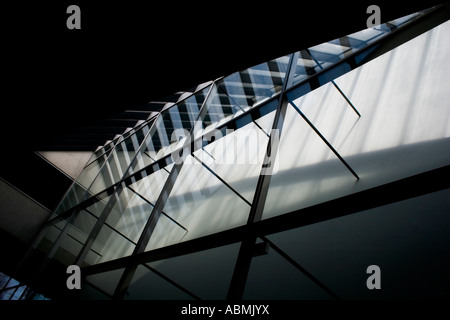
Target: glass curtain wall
197	169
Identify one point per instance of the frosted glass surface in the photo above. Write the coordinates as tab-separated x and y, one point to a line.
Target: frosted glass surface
404	99
201	203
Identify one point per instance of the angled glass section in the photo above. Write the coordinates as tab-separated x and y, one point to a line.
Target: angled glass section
223	174
65	236
124	224
170	130
120	158
308	171
242	91
403	129
77	192
319	57
193	204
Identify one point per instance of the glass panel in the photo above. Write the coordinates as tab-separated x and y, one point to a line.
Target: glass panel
6	294
408	240
323	55
309	172
403	130
128	216
105	282
74	236
206	274
238	156
118	161
170	130
304	67
75	233
78	191
150	285
193	204
109	245
242	91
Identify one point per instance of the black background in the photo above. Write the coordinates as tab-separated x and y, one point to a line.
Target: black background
128	53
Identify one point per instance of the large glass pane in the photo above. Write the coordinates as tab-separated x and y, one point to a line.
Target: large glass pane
193	204
238	155
404	128
320	56
216	185
308	171
408	240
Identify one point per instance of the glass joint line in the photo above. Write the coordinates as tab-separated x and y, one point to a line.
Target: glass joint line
300	268
240	108
172	282
111	227
245	255
335	85
164	168
221	180
209	154
111	202
324	140
165	214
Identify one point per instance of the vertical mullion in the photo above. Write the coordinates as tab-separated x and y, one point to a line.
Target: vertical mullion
245	255
110	204
146	233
